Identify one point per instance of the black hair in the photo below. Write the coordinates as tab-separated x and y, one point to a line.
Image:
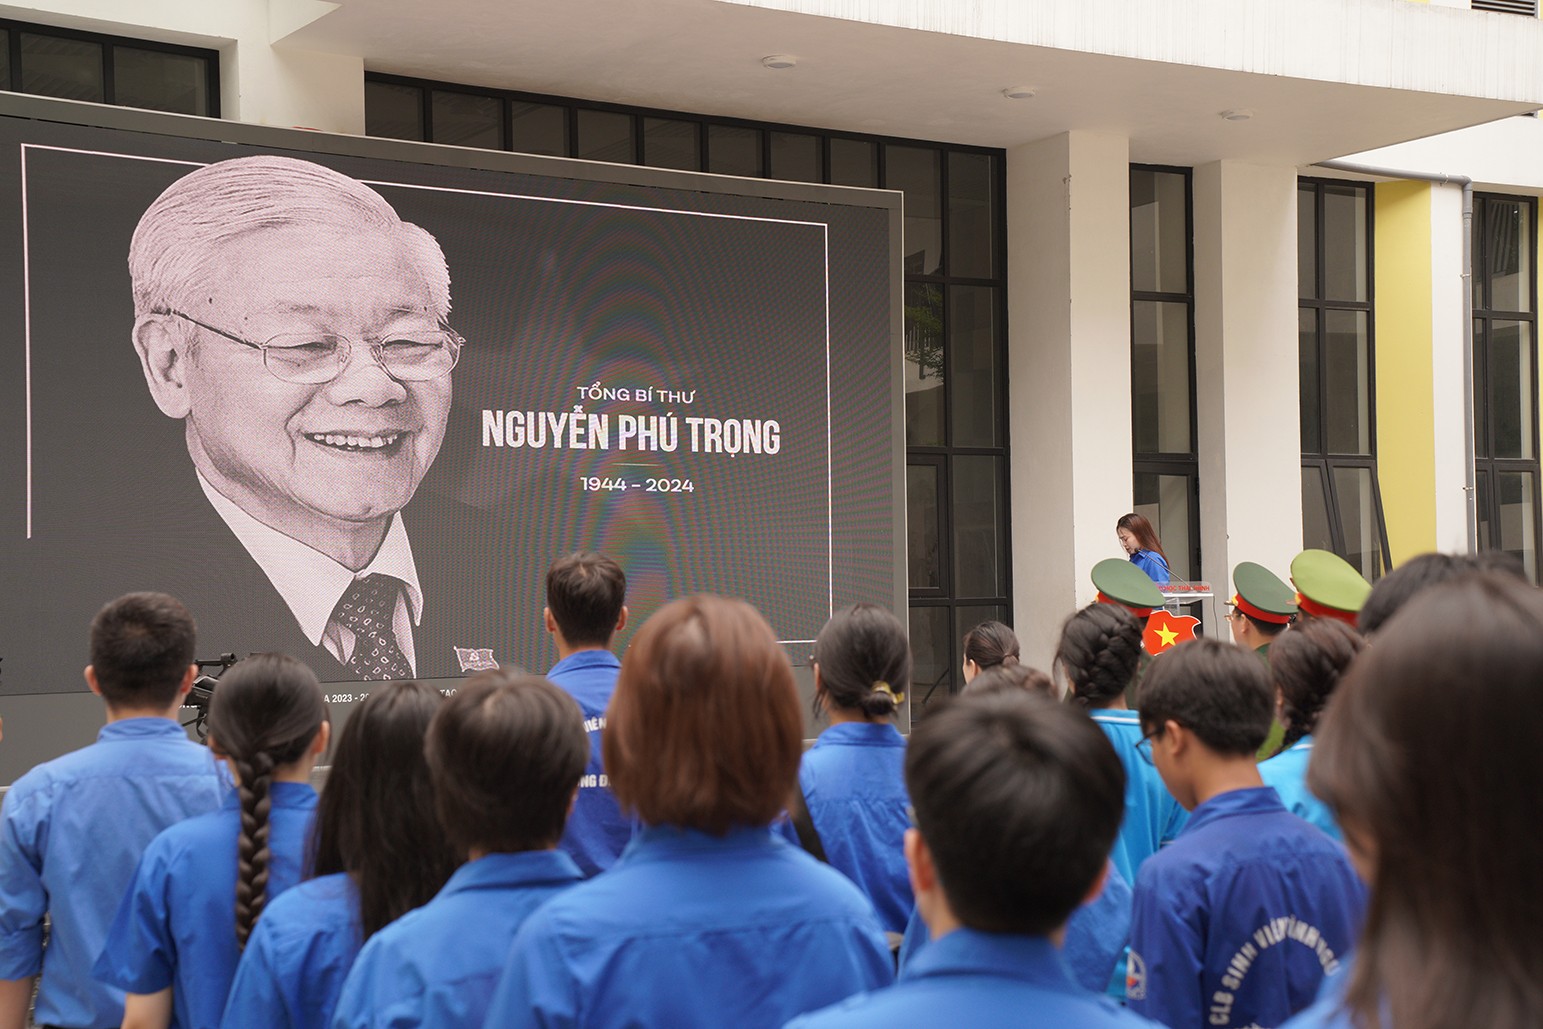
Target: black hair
1216	690
264	715
990	644
1100	652
1009	678
375	820
864	660
141	649
585	593
1306	665
1018	800
505	754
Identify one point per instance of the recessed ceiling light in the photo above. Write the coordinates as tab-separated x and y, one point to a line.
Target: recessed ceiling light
1237	114
1019	92
779	61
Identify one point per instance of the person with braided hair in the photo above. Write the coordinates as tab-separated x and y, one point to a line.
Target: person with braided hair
1306	664
203	883
989	645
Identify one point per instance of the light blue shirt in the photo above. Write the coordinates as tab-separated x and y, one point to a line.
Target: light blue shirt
1152	816
71	832
438	965
977	979
689	930
597	830
176	926
294	964
1287	773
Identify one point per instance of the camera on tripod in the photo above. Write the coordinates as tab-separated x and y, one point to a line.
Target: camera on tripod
203	689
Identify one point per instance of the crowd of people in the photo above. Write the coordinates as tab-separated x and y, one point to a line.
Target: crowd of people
646	842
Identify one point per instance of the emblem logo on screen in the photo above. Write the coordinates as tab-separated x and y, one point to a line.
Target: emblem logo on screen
474	660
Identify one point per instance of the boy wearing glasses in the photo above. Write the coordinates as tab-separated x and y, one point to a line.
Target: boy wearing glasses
1239	920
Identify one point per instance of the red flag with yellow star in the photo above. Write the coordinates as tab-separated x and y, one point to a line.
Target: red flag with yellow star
1166	630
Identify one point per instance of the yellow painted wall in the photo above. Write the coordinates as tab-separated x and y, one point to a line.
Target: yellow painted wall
1406	460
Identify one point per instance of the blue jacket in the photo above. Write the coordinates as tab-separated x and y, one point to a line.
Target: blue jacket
692	930
438	965
1152	816
1153	563
1237	923
1287	773
71	832
176	926
294	964
597	831
1328	1012
978	979
1096	935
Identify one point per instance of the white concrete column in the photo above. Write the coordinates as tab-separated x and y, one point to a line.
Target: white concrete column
1447	287
1068	231
1246	373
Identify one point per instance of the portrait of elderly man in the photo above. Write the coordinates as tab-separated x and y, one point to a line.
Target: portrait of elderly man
299	329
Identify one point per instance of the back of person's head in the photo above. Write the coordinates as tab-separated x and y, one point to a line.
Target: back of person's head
1429	756
990	644
264	715
1100	652
1400	586
505	755
375	819
1138	526
1218	691
1306	664
704	730
1018	799
1501	562
141	650
1009	679
585	594
863	660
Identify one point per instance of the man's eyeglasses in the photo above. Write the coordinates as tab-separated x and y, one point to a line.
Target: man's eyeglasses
1144	745
314	358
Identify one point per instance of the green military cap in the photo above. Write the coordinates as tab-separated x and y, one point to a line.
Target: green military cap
1120	582
1328	586
1261	594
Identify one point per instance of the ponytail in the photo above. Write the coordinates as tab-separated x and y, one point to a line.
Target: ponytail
864	661
990	644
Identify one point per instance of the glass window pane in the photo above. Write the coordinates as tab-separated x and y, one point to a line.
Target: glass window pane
1358	519
1344	242
1347	382
923	364
924	533
1164	500
1482	516
734	150
671	143
932	658
1516	523
916	172
971	215
1316	531
1307	364
68	68
465	119
854	162
1160	356
5	59
1480	389
1512	389
978	527
393	110
972	347
538	129
1307	243
160	81
1508	255
1159	243
795	156
605	136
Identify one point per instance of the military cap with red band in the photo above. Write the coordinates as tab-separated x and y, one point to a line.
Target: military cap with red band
1120	582
1328	586
1262	595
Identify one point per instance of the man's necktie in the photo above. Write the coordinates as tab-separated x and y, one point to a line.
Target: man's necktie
368	610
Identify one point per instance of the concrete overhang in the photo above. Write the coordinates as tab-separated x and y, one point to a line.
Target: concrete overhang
1322	78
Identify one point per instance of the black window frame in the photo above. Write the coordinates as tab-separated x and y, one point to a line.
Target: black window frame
109	43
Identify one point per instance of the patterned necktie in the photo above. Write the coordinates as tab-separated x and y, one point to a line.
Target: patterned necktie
368	609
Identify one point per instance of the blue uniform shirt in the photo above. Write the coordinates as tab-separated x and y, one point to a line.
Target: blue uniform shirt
176	926
1237	923
853	780
693	930
1153	563
294	964
438	965
1152	816
971	978
1287	773
1096	934
71	832
1328	1011
597	831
